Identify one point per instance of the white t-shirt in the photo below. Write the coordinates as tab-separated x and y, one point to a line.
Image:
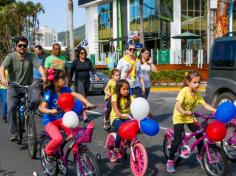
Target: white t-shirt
146	70
125	68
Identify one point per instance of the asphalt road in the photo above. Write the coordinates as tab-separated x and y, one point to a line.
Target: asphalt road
14	159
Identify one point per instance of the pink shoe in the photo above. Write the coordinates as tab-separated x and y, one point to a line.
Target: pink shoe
170	166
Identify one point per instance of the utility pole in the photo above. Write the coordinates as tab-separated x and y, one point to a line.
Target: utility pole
70	27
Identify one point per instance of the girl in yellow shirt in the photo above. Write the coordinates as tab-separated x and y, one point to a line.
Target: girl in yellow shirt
120	108
110	89
187	99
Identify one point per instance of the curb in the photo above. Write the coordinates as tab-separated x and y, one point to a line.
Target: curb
172	89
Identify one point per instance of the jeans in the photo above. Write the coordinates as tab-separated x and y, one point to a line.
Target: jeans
136	91
107	109
3	95
116	124
13	97
147	92
178	137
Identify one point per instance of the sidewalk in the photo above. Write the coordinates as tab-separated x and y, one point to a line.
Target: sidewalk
173	89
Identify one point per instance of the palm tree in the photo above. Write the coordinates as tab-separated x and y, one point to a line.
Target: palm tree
6	2
141	22
70	27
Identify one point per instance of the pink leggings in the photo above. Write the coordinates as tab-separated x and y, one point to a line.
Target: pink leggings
53	131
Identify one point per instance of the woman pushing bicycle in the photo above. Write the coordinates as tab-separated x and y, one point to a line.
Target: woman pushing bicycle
52	115
187	99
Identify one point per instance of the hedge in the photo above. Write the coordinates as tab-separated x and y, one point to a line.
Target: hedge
165	76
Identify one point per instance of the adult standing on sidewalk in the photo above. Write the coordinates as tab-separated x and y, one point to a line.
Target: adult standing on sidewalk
41	57
81	67
20	65
130	69
57	61
147	67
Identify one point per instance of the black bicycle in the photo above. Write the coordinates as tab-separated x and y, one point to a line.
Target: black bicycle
26	118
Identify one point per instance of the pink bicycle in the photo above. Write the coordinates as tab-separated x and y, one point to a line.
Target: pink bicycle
229	142
138	154
213	158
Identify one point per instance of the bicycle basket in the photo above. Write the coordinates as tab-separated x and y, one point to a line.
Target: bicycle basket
84	135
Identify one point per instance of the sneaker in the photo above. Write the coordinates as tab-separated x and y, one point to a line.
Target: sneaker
199	159
170	166
117	153
107	125
47	158
14	138
5	120
113	157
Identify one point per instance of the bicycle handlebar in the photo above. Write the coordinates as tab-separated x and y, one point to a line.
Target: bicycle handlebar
16	84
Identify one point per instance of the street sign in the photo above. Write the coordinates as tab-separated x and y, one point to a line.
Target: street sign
84	43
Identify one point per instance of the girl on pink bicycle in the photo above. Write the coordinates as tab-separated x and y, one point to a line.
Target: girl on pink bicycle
120	106
188	98
52	115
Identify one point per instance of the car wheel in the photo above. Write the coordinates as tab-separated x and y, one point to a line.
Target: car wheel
227	96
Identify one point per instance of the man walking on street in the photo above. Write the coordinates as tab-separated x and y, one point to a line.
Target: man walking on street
38	50
20	65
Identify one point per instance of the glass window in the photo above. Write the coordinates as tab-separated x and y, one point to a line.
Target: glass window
105	21
166	9
224	54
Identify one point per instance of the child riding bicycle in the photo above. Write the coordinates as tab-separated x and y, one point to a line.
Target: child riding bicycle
187	99
110	89
52	115
120	106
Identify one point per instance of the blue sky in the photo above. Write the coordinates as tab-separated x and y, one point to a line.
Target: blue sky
55	14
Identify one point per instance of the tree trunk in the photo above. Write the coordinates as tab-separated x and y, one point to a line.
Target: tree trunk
141	22
70	27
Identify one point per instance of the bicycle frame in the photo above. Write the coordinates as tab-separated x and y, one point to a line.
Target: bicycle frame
188	136
125	144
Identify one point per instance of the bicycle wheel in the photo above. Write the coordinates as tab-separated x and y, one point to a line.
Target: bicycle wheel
110	144
139	164
31	136
87	165
218	166
166	148
228	145
51	168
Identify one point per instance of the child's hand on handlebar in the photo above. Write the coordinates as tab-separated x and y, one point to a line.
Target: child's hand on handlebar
53	111
188	113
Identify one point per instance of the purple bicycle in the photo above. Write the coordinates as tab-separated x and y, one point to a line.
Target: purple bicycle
229	142
213	158
84	163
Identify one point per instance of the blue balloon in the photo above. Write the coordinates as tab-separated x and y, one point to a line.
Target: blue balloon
225	112
149	127
78	107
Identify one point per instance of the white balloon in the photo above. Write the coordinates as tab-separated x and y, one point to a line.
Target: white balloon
139	108
70	119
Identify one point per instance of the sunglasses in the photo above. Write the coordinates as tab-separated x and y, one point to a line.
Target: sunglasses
83	53
132	49
57	49
22	46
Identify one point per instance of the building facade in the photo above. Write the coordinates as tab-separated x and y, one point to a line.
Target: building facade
46	37
112	23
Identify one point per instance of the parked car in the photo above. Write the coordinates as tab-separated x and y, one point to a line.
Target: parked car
98	86
221	84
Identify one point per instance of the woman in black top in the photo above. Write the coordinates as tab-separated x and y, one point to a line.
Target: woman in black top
81	68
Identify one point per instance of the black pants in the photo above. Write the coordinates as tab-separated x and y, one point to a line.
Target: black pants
82	87
107	109
178	137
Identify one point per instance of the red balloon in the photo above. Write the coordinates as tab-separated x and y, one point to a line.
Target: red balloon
129	129
216	131
66	102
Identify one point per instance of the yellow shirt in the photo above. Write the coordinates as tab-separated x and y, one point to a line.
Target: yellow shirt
188	103
1	85
123	109
110	89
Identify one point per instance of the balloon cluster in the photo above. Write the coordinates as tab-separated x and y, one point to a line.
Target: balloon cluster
216	130
71	108
139	109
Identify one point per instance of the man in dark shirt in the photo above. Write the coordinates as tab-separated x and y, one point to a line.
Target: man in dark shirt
20	65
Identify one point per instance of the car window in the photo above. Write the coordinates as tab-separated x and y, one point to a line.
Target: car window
224	54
